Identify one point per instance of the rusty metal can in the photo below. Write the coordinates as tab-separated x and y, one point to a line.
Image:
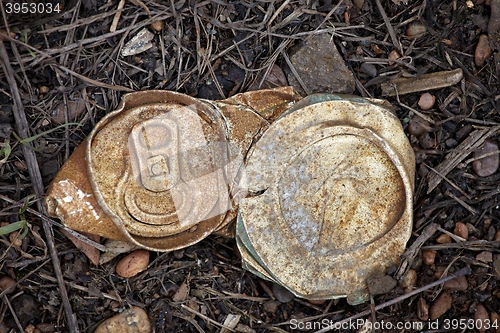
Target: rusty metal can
322	187
330	197
164	170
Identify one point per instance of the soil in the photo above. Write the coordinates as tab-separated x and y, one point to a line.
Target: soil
215	49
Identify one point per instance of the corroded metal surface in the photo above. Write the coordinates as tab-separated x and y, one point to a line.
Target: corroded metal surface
331	185
321	187
163	171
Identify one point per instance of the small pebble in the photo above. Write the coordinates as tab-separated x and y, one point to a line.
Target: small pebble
439	271
443	239
377	50
29	329
426	101
369	69
193	304
461	230
4	32
483	50
495	320
74	109
457	284
427	141
415	29
271	306
133	320
451	143
44	90
358	3
6	282
393	55
428	256
418	126
441	305
409	280
488	165
485	256
182	293
157	25
27	308
422	310
14	239
46	327
281	293
481	318
133	263
380	284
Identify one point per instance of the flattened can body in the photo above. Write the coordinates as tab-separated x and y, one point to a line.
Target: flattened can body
331	187
321	188
164	170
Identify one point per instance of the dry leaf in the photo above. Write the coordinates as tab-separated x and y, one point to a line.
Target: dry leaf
139	43
182	293
91	252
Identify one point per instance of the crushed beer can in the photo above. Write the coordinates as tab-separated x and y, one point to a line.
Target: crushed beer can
321	188
164	170
330	194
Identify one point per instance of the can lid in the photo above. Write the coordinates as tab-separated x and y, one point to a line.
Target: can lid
156	169
332	185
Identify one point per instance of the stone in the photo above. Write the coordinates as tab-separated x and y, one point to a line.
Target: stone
6	282
426	101
461	230
358	3
487	165
393	55
481	318
271	306
422	310
157	26
485	256
483	51
495	320
281	293
441	305
443	239
415	29
321	67
409	280
380	284
26	308
429	256
418	126
133	264
369	69
457	284
133	320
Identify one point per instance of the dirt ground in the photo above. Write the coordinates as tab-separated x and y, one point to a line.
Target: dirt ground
67	67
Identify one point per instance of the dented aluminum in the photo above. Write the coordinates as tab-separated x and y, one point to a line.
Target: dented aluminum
322	187
164	170
331	186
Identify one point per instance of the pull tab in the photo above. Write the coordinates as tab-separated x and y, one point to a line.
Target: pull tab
153	146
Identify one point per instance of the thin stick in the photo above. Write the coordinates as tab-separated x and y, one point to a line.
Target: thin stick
202	316
118	14
22	129
392	33
464	271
